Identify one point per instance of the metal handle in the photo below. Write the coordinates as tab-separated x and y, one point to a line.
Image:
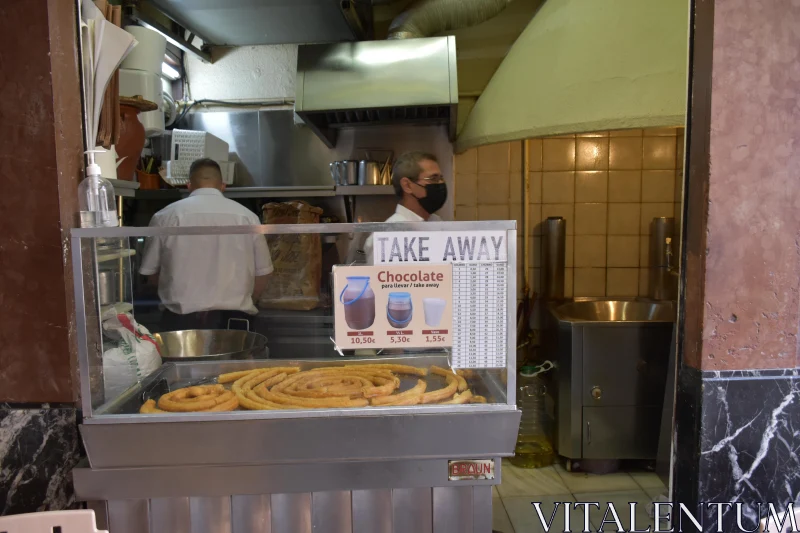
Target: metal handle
247	322
597	393
588	432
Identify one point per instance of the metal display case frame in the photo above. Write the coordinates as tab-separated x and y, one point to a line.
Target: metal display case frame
377	462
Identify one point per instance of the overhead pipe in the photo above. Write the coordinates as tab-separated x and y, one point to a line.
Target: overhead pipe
426	18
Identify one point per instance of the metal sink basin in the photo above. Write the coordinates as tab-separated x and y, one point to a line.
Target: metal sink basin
601	310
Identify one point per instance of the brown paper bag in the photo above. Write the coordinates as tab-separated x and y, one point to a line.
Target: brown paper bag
297	259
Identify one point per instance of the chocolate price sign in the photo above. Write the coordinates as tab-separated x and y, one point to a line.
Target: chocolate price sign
480	286
408	306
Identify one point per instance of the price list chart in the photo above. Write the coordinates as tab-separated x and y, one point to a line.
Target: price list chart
480	315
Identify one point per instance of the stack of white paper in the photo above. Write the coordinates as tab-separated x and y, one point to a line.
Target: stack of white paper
104	47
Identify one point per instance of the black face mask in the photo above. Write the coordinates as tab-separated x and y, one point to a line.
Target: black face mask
435	199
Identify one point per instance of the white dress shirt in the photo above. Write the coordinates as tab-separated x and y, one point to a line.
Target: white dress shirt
206	272
401	214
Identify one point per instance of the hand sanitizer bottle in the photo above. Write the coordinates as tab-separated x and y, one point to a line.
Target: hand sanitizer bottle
96	198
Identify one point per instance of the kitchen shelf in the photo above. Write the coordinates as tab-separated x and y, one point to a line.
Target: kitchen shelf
364	190
262	192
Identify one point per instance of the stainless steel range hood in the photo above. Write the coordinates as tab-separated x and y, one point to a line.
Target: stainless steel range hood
377	82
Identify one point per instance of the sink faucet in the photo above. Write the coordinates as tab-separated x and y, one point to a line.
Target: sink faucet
669	254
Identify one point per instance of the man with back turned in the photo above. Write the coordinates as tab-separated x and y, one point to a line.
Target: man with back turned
206	280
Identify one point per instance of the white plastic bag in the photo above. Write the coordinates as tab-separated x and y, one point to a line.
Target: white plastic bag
135	355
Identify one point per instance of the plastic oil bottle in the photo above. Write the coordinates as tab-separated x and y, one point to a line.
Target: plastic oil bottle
534	448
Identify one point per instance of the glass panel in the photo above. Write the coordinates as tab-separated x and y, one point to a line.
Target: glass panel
170	312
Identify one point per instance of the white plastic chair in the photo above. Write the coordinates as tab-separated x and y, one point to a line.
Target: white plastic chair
51	522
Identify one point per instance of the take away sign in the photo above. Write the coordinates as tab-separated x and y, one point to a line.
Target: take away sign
440	247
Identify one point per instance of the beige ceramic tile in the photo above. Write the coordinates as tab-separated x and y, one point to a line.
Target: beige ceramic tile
592	134
569	251
677	215
625	133
591	153
655	210
591	186
621	501
590	251
678	197
589	282
530	482
658	186
515	161
625	153
536	279
624	219
525	520
467	189
623	251
580	482
520	264
644	281
467	162
466	213
591	219
622	282
659	153
493	188
493	212
535	154
625	186
500	521
660	132
494	157
535	187
515	212
535	252
558	154
535	214
558	187
568	282
515	192
647	480
565	211
644	251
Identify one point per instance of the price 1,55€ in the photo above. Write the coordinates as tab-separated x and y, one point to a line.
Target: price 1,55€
434	338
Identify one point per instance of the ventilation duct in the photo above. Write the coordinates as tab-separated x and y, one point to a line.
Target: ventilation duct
587	65
426	18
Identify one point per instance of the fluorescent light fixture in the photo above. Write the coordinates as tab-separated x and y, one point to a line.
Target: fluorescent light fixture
169	72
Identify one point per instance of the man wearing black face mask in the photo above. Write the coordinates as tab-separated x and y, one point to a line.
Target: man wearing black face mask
419	184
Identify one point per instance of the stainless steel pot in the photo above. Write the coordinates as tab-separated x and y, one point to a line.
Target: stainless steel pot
335	172
348	172
107	287
211	345
369	173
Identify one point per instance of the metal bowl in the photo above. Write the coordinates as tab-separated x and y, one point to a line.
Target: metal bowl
210	345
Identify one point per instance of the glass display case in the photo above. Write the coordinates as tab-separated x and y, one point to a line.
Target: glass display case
407	360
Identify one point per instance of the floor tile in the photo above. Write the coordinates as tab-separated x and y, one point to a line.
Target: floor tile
530	481
621	501
525	519
647	480
500	520
581	482
655	492
495	494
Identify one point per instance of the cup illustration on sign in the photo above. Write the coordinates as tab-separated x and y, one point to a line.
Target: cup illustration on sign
399	309
359	302
434	309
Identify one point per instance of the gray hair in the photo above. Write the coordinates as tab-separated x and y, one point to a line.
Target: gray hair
407	166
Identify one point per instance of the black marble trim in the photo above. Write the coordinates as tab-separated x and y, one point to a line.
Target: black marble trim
738	440
750	374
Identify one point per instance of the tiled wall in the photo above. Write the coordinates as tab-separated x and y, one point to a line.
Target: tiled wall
607	185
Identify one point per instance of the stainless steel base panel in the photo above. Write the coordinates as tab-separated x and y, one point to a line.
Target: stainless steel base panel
371	497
